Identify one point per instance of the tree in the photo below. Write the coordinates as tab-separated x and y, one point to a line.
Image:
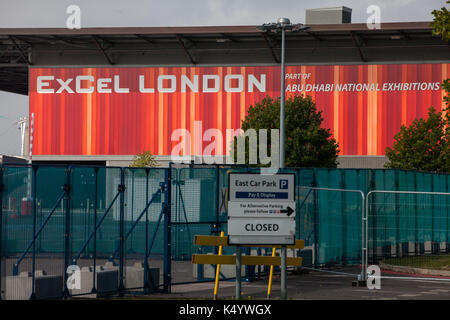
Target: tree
441	23
144	159
421	146
441	27
425	144
307	144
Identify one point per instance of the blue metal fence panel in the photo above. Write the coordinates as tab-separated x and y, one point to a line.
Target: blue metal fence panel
91	215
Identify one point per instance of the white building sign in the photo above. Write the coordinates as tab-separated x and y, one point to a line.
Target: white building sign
261	208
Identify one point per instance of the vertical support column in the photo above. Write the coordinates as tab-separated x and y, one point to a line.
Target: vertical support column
343	218
130	239
94	286
298	233
363	224
283	272
121	189
373	227
33	254
447	229
216	229
397	218
364	242
217	200
2	190
282	101
167	230
421	241
178	209
66	198
433	215
366	238
146	287
316	220
416	227
238	272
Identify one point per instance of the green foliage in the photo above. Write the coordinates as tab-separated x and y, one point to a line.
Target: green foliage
441	23
441	27
144	159
307	144
424	145
438	262
446	87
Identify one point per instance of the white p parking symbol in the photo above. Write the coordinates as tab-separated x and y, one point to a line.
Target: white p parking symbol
284	184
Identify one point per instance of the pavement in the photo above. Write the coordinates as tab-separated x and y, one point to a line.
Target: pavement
333	284
315	285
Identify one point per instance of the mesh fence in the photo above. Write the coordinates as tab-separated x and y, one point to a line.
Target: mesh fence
143	209
409	230
195	200
94	224
118	222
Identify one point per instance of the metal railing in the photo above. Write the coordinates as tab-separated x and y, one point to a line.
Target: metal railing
405	210
193	201
363	219
66	229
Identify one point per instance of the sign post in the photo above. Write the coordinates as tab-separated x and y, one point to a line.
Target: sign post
238	272
283	273
261	211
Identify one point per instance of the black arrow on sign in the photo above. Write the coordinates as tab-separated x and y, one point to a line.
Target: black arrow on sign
288	210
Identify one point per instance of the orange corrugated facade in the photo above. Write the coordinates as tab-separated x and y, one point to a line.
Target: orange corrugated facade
84	111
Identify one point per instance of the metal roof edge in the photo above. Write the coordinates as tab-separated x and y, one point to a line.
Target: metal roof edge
246	29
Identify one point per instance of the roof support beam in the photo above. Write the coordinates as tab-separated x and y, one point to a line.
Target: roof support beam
180	41
145	38
312	34
13	65
404	35
106	43
357	45
272	52
26	39
22	53
229	38
102	50
71	42
21	38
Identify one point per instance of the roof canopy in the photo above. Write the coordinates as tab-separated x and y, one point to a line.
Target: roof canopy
21	48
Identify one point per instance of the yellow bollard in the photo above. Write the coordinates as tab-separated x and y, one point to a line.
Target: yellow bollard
216	284
269	289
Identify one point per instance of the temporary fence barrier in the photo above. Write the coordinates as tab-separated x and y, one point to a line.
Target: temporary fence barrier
340	225
136	225
407	232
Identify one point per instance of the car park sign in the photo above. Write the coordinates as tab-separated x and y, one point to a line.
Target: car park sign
261	209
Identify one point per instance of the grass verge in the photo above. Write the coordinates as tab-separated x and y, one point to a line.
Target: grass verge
438	262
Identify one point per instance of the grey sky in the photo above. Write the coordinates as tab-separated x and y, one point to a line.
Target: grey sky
52	13
146	13
12	106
